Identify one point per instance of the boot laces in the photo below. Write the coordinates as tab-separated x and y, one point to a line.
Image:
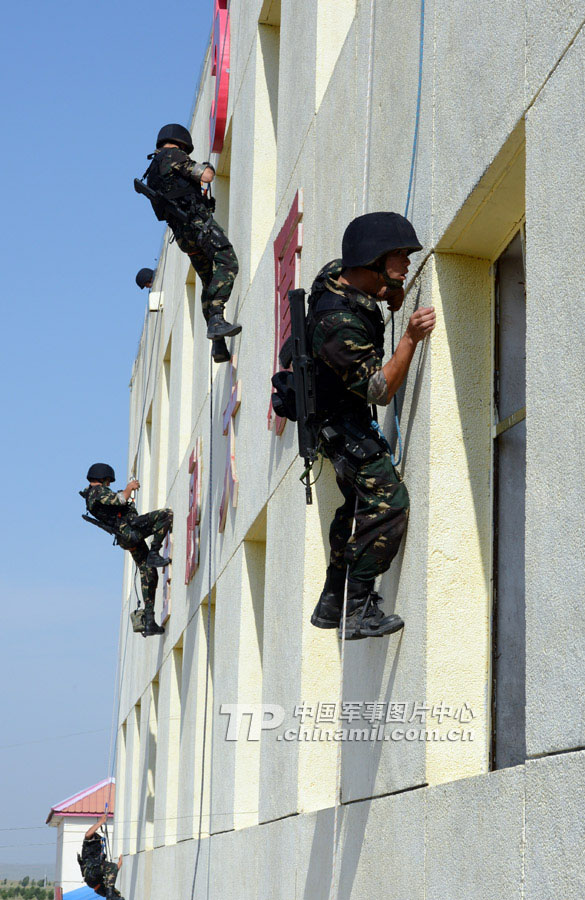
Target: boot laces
371	608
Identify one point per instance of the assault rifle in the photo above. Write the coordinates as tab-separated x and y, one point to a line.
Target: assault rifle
156	197
101	525
295	351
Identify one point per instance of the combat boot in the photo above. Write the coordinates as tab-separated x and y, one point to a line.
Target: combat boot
327	613
364	617
150	626
155	560
219	351
217	327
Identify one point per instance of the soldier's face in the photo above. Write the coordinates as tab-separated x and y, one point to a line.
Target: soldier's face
397	264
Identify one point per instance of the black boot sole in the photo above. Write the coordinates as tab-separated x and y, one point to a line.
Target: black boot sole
361	632
229	332
159	565
318	622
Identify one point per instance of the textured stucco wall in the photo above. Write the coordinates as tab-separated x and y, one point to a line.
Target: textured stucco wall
502	86
555	514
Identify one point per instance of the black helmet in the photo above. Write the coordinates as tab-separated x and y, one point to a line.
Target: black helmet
369	237
100	471
144	277
175	134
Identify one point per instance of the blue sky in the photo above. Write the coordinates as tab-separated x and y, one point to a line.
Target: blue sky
88	86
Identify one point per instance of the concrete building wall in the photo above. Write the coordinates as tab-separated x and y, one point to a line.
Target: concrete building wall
323	99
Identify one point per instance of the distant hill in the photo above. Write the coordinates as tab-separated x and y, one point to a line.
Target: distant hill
16	871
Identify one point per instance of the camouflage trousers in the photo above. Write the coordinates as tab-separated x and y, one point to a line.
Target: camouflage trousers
380	516
132	537
215	261
102	878
217	277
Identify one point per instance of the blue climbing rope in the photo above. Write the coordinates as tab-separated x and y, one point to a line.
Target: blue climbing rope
418	102
396	460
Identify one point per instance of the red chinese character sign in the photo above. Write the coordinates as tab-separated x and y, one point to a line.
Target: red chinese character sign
167	574
287	276
230	481
194	516
220	68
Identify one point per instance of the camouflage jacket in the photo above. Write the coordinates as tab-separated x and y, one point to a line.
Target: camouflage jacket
107	506
347	343
92	859
173	172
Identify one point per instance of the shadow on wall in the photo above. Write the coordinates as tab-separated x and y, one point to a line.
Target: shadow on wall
320	860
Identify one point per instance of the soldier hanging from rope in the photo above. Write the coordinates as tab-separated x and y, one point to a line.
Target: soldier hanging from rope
346	334
116	513
97	872
177	197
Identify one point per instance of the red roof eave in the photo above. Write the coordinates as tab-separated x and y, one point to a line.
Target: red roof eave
90	802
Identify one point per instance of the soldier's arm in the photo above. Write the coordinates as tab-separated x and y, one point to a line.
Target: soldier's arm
341	340
107	497
186	167
91	831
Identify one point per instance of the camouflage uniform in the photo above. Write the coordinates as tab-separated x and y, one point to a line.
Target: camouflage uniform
113	509
97	872
346	358
212	256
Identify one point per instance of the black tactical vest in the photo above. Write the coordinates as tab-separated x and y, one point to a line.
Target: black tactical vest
109	515
182	191
91	860
333	397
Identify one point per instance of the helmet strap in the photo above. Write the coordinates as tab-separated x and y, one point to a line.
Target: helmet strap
392	283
